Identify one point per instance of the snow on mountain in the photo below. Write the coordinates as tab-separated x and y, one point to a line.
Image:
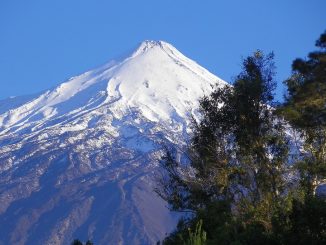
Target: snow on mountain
80	160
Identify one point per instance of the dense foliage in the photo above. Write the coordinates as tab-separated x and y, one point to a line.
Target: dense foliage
306	111
239	181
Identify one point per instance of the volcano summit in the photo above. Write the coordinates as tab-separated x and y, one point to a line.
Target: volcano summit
79	160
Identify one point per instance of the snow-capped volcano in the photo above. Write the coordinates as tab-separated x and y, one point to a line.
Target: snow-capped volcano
78	160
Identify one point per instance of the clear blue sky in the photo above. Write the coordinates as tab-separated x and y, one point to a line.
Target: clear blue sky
44	42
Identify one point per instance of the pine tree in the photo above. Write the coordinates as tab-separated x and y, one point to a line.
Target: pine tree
306	111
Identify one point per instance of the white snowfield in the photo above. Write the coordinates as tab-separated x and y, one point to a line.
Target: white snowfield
156	79
79	160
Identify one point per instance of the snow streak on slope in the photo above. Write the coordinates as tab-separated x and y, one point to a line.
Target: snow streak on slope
79	160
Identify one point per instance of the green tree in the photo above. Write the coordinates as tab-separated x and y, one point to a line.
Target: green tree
306	111
304	108
237	157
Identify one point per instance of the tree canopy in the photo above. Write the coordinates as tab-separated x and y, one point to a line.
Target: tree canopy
239	180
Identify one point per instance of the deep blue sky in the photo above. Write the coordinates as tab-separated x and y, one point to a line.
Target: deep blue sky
44	42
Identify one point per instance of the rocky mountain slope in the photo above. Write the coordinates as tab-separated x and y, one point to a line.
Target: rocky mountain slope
80	160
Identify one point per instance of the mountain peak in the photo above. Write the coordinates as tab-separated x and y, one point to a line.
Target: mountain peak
86	152
156	79
151	44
